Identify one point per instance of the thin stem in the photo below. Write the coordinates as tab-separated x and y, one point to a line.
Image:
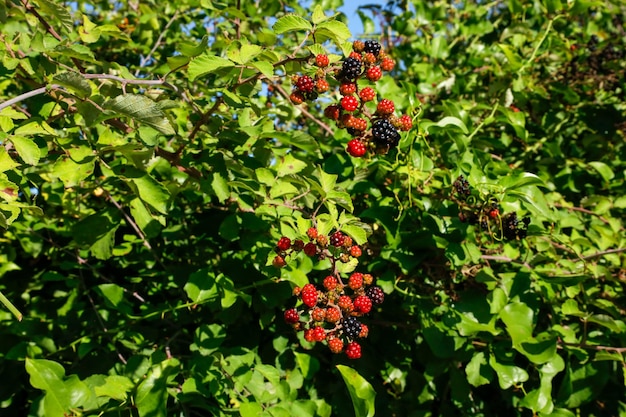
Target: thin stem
604	252
304	111
9	305
147	58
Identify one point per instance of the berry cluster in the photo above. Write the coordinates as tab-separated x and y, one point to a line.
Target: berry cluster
373	127
485	212
332	310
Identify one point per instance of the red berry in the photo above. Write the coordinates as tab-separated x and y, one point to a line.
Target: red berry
305	84
335	345
321	60
345	303
355	251
297	97
364	331
405	122
359	124
355	281
362	304
353	350
385	106
387	64
308	287
349	103
369	57
310	249
347	88
374	73
494	213
332	112
311	233
367	94
279	261
337	239
318	334
355	55
347	120
330	283
284	243
308	335
356	148
297	245
309	297
292	316
318	314
333	315
321	85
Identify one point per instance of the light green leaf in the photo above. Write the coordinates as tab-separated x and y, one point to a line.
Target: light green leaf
27	149
265	67
116	386
248	52
512	182
48	376
477	371
454	121
333	29
361	392
290	23
318	15
6	162
508	375
206	64
355	232
70	172
201	286
141	109
342	199
151	399
74	82
220	186
58	11
603	169
290	165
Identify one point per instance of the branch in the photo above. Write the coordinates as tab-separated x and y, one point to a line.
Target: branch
582	210
604	252
304	111
147	58
26	95
506	259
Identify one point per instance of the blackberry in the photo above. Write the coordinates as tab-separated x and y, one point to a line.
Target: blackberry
351	327
351	69
372	47
376	294
462	187
512	229
384	134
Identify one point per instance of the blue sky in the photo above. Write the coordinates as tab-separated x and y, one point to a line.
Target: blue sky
354	21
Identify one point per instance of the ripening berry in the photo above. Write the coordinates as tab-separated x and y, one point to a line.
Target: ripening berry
321	85
296	291
385	107
333	315
318	334
368	279
291	316
308	335
332	112
347	89
359	124
387	64
318	314
347	241
322	60
296	97
362	304
374	73
335	345
358	46
347	120
297	245
353	350
310	249
494	213
405	122
355	55
322	240
355	281
305	84
375	294
345	303
355	251
279	261
364	331
369	57
337	239
367	94
311	233
284	243
330	283
349	103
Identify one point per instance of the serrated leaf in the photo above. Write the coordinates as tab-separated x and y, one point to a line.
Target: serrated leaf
361	392
290	23
206	64
27	149
342	199
318	15
249	51
74	82
6	162
141	109
57	10
266	68
335	30
355	232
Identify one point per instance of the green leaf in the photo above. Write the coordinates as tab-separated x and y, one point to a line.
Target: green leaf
70	172
117	387
290	165
290	23
603	169
318	15
220	186
206	64
141	109
335	30
148	189
189	49
201	286
512	182
454	121
74	82
27	149
361	391
356	232
58	11
477	371
48	376
151	399
265	67
508	375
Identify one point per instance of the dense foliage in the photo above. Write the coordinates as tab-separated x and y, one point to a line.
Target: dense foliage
153	156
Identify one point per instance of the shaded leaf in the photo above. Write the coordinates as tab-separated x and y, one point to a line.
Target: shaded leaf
74	82
141	109
361	391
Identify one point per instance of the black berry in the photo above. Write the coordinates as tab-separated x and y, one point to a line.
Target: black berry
351	327
372	47
351	69
384	134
